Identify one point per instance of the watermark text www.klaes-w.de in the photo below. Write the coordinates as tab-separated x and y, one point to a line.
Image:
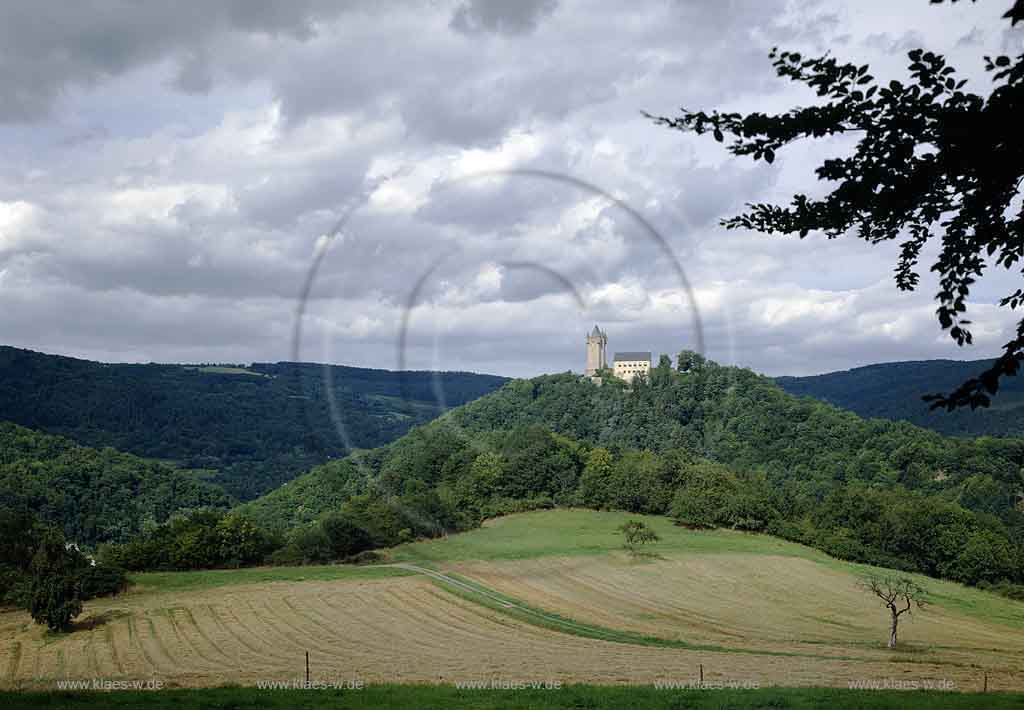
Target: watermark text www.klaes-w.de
711	684
110	684
304	684
507	684
902	684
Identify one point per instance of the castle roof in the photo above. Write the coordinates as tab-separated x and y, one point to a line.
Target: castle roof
596	331
632	356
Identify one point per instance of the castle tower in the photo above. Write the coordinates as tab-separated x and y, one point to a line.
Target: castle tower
596	344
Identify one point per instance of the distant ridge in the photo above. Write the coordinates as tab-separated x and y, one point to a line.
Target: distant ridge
253	427
893	390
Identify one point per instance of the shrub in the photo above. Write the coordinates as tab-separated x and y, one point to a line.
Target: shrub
344	537
748	511
312	544
985	556
366	557
841	543
101	580
1004	588
288	556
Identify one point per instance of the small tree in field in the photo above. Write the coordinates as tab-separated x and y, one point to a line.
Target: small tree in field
898	594
637	533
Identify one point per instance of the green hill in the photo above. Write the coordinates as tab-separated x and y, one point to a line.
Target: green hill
255	427
710	446
893	390
95	495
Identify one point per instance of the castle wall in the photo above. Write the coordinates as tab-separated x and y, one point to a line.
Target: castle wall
629	369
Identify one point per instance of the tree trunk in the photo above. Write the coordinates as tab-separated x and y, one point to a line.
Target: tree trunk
892	630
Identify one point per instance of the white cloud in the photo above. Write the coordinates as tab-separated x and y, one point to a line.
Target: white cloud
17	221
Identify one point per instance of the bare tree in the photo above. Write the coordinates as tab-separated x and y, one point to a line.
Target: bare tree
898	594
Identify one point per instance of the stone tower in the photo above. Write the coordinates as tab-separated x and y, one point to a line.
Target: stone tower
596	344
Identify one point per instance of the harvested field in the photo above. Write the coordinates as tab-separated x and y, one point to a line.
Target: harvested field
403	629
749	609
755	602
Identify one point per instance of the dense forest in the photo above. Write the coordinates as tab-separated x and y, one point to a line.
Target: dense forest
705	444
894	390
253	427
93	495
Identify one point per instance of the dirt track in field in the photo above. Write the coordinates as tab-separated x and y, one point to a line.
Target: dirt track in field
407	629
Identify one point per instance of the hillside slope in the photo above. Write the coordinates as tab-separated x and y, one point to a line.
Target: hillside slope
893	390
94	495
746	421
255	427
711	446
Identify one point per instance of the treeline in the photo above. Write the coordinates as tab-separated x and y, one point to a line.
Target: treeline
216	539
440	480
252	428
43	573
416	493
203	539
93	495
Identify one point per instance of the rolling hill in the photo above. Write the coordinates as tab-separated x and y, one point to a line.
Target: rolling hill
253	427
893	390
708	445
543	596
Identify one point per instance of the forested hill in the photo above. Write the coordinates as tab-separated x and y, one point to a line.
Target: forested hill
255	427
94	495
745	421
708	445
893	390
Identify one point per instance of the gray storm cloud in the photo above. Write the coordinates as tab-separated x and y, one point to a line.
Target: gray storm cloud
167	175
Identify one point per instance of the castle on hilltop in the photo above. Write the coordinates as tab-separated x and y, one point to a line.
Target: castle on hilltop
625	366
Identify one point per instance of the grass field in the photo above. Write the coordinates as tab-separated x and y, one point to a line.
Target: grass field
549	533
148	582
538	597
227	370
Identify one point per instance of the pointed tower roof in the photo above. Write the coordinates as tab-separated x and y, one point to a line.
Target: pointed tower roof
596	331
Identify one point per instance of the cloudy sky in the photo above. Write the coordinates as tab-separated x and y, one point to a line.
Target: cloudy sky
172	173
